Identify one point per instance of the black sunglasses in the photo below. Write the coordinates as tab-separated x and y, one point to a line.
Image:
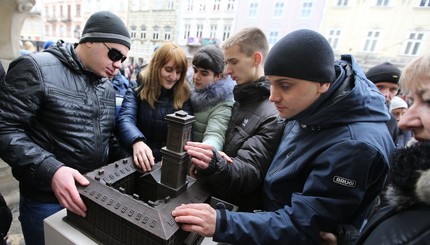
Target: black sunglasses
115	55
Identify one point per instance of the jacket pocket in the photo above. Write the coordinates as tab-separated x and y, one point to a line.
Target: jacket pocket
61	94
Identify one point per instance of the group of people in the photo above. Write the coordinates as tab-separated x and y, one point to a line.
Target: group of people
299	141
386	77
28	47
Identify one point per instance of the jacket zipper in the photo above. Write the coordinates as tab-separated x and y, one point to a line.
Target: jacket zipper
96	123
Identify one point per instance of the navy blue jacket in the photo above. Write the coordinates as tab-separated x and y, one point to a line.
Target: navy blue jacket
331	164
138	121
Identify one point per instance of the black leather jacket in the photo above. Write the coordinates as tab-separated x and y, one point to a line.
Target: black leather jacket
53	112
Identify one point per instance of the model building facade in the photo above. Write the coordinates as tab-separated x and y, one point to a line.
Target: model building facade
127	206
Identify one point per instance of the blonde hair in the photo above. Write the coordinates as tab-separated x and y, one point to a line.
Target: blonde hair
416	74
249	40
150	87
28	45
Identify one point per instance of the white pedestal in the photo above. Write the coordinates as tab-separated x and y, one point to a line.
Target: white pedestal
58	231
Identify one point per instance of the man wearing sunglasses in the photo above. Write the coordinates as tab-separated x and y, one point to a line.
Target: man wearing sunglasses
57	113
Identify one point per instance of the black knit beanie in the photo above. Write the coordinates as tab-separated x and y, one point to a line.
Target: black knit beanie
302	54
385	72
105	26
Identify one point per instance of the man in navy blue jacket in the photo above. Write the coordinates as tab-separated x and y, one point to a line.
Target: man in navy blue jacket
333	158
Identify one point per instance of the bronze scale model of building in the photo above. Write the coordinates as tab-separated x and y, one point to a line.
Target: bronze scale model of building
126	206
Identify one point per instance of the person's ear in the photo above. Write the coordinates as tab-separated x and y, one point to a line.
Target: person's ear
323	87
258	58
218	76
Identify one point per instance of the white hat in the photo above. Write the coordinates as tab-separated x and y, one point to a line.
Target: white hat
397	102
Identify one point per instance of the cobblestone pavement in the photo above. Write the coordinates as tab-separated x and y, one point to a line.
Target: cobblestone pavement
10	192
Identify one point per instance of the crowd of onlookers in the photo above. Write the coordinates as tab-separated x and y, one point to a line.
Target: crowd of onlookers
310	148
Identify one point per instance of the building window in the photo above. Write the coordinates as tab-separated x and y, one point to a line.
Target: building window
69	14
158	5
156	33
342	3
226	34
202	6
47	30
143	5
170	5
134	5
61	30
133	32
371	41
78	10
425	3
143	32
217	4
167	33
122	6
279	9
189	5
213	31
273	37
187	32
306	9
413	43
68	30
77	32
230	5
382	3
253	7
333	38
199	32
98	4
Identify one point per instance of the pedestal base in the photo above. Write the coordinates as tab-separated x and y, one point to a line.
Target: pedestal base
58	231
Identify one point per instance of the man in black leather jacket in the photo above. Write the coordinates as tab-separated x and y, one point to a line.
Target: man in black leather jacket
5	213
57	113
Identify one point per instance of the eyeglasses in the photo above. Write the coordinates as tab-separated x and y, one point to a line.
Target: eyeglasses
115	55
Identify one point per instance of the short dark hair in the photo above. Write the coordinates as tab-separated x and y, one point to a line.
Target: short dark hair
209	57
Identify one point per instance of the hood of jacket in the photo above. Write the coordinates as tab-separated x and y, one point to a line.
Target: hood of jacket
410	176
212	94
350	98
256	91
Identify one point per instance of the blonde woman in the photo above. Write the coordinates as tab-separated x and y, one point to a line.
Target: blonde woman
141	124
